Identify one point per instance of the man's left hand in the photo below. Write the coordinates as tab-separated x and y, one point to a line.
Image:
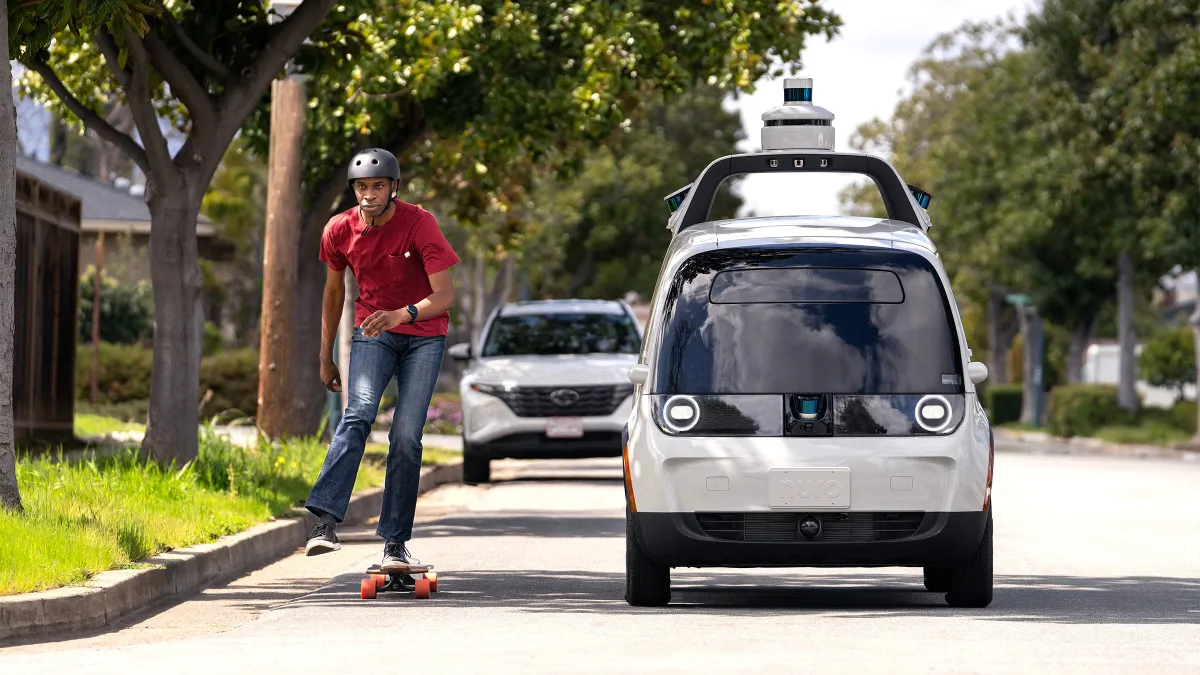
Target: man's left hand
383	320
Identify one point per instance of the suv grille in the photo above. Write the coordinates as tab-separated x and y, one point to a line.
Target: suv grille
590	401
835	527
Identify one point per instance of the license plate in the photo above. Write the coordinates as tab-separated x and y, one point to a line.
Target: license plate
564	427
801	488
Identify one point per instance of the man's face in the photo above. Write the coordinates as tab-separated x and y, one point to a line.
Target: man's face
373	194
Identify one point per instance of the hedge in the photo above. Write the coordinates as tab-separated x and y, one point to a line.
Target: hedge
1003	403
1081	409
232	377
1184	413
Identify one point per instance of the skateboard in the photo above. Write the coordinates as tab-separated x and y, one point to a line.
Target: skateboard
401	582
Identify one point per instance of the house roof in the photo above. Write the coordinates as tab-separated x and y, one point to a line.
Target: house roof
105	205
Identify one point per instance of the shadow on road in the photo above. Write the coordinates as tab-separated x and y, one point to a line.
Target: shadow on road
1050	599
512	524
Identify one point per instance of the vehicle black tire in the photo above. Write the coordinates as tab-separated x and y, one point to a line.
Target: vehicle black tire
647	584
970	581
936	579
476	468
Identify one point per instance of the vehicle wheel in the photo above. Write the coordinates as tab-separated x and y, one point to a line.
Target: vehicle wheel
476	469
970	581
647	584
936	579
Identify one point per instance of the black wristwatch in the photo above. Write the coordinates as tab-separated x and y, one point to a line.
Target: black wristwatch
412	311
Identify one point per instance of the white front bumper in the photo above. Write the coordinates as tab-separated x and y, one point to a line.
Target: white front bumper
487	419
731	474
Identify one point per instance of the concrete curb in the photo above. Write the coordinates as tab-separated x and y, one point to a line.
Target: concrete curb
113	595
1042	443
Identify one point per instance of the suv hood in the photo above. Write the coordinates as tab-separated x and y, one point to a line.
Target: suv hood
565	369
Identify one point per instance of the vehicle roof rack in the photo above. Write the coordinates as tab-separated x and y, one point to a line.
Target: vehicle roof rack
798	137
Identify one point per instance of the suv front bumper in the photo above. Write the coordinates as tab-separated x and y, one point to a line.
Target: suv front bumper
491	429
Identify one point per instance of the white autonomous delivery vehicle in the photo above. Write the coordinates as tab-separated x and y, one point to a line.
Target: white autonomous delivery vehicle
804	396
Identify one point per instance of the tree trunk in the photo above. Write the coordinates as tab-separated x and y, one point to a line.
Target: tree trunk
275	387
1001	331
1026	318
1077	350
97	283
478	293
1127	397
10	493
171	433
309	395
309	398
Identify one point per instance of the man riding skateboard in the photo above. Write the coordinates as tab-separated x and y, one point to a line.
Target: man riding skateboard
401	262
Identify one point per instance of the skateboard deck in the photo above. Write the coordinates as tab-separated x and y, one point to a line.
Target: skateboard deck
421	586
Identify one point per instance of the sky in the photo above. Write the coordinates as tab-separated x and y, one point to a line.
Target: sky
859	75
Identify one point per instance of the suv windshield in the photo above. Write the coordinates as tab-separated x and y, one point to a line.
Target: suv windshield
562	333
807	320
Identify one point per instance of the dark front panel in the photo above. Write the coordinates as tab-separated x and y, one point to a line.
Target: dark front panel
594	401
835	527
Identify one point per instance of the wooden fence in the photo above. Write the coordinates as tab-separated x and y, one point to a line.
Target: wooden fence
47	297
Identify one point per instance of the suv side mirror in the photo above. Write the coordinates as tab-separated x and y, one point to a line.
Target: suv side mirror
977	371
460	351
639	373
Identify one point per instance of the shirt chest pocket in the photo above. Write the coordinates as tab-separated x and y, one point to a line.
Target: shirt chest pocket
402	263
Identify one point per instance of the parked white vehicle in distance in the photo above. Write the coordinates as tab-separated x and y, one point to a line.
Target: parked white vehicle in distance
549	379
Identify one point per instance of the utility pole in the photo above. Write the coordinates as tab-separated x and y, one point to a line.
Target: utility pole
280	257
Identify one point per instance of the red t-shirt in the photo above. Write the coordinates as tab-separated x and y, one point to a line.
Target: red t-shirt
391	262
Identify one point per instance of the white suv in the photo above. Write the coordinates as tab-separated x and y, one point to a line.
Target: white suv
549	379
805	396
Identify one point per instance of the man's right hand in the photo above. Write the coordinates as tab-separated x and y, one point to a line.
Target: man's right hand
330	375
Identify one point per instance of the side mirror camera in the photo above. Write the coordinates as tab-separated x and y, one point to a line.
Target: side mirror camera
460	351
639	373
977	371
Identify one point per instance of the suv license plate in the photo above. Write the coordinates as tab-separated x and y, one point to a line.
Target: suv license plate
564	427
804	488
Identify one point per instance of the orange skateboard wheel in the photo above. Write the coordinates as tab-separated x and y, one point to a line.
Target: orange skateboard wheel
380	580
422	589
368	589
432	577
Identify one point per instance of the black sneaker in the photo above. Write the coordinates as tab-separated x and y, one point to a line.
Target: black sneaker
323	540
398	560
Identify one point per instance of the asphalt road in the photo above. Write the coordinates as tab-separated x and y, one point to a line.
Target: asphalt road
1097	571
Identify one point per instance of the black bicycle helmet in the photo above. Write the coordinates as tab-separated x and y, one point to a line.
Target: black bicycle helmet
373	163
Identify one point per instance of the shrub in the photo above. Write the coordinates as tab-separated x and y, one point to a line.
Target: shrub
1003	403
1169	359
232	377
213	340
124	373
1184	416
126	310
1080	410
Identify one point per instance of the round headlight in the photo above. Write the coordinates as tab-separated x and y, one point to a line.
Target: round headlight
681	413
934	413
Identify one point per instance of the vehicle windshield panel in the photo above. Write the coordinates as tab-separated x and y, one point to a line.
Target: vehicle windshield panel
807	320
562	333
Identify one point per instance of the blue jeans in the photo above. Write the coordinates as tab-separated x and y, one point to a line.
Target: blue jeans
415	361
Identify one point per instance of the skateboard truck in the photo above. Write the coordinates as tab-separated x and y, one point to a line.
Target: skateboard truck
400	582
